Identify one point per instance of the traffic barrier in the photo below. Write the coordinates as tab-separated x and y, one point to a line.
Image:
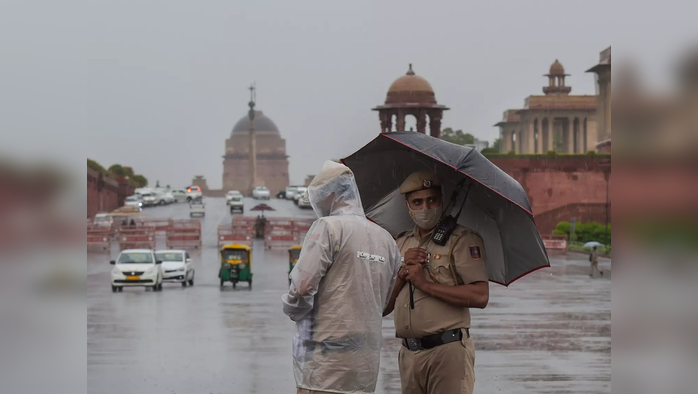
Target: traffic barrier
184	234
137	238
228	234
99	237
161	226
301	228
280	239
555	243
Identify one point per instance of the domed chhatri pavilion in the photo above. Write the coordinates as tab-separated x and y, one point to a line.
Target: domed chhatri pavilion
411	95
555	121
272	161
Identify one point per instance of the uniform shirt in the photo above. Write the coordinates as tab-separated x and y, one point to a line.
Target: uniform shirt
431	315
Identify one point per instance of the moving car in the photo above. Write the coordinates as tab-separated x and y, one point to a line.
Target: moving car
291	192
135	201
261	193
235	201
136	268
103	220
197	207
193	192
177	266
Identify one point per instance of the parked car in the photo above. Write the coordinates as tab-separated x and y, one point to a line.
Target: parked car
281	195
103	220
149	199
193	192
261	193
134	201
179	195
197	207
304	200
236	203
136	268
291	192
177	266
299	193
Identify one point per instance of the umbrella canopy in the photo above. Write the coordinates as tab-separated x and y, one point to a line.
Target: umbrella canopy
262	207
592	244
496	207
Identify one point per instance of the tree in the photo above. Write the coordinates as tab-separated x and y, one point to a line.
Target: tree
497	145
139	181
116	169
128	171
94	165
457	137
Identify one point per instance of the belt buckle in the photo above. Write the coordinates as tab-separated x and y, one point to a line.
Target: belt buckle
412	344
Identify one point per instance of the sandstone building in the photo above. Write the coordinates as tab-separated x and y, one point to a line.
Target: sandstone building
272	161
554	121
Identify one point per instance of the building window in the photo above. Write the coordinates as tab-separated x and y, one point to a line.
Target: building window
535	136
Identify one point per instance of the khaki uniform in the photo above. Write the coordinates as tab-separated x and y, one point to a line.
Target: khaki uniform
447	368
594	258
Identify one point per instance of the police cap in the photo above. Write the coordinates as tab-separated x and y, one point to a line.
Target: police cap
420	180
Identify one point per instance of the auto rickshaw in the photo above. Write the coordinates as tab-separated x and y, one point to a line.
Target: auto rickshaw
293	253
236	261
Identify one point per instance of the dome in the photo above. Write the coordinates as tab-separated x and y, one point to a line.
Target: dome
262	123
557	69
410	88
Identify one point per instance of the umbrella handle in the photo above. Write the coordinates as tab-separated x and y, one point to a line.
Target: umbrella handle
411	296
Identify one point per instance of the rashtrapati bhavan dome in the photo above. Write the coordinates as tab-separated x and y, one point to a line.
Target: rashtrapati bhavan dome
272	161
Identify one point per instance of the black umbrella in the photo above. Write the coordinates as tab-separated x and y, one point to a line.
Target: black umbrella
496	205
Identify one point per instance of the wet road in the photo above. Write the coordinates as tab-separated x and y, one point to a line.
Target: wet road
550	332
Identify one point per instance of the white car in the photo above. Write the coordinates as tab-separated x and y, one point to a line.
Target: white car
197	207
291	192
135	201
136	268
261	193
235	201
193	192
167	195
304	200
300	190
177	266
149	199
179	195
103	220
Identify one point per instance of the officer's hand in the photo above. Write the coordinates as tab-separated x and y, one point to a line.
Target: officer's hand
416	256
415	275
402	273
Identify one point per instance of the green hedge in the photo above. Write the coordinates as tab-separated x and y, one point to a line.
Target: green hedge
585	232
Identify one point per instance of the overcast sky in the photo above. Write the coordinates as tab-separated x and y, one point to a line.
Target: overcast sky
158	85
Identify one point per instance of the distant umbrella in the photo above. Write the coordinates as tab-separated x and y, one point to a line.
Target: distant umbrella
262	207
592	244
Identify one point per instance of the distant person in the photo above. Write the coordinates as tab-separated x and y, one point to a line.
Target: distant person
133	223
594	260
339	288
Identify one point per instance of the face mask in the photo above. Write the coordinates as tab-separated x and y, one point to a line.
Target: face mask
426	218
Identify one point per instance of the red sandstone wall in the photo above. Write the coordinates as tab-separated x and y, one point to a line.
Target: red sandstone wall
562	188
111	196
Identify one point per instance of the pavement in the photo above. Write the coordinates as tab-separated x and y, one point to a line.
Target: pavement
550	332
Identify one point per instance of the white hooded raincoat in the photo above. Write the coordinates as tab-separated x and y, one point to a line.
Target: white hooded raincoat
339	288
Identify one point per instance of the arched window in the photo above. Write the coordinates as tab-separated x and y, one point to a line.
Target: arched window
575	136
546	135
584	133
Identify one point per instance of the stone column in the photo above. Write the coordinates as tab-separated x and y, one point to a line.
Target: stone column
400	120
531	143
385	122
570	135
435	126
421	121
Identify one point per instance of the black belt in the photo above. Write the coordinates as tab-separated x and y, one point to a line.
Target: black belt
432	341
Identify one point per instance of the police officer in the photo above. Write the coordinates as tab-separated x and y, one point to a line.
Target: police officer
437	354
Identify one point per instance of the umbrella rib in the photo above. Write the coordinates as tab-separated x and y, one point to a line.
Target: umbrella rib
455	168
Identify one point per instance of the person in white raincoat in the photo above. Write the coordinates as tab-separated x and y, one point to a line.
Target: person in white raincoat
339	288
